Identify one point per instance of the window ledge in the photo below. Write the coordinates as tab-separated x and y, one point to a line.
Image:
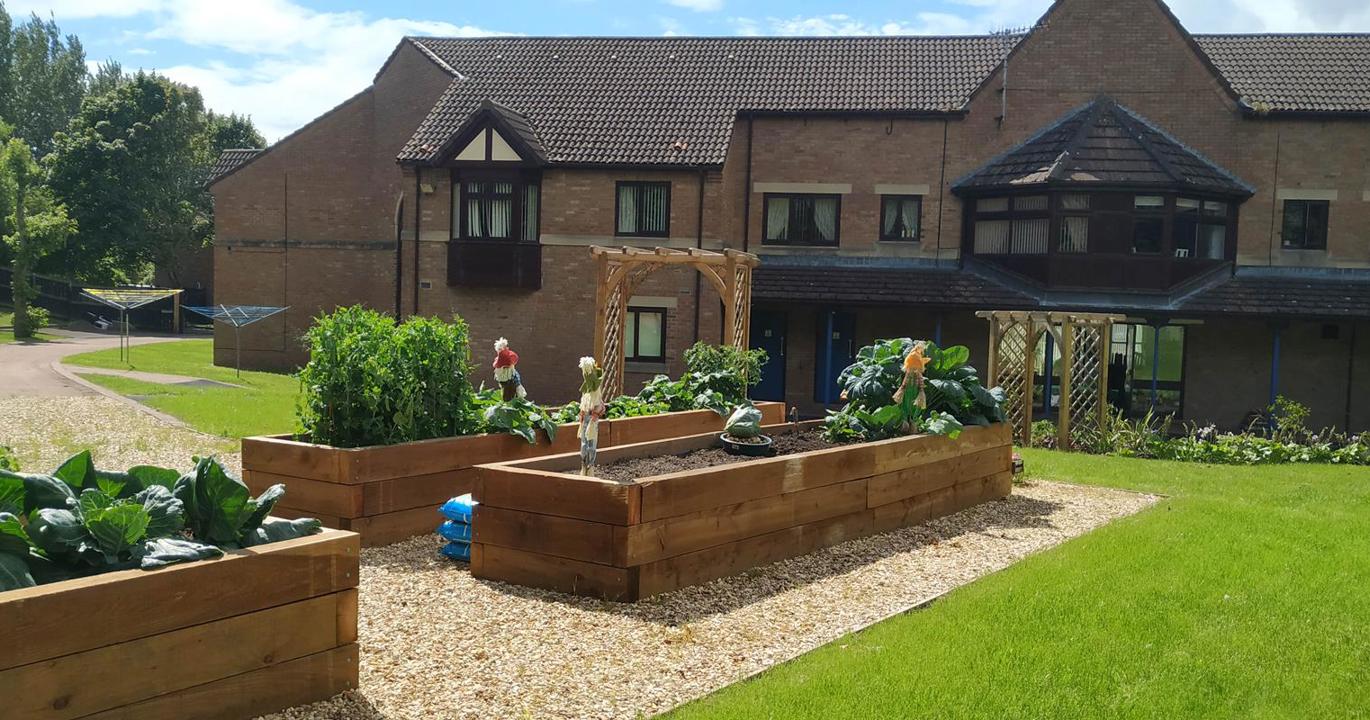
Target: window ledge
659	368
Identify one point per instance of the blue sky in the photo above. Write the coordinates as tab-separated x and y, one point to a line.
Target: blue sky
285	61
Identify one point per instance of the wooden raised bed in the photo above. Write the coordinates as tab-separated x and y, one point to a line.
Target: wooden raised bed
387	493
542	525
254	632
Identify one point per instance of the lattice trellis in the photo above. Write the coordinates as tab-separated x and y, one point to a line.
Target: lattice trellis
1083	339
622	270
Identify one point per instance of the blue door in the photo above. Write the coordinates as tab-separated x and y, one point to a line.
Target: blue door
768	333
835	349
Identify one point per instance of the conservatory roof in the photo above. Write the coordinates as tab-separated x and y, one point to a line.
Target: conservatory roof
1102	145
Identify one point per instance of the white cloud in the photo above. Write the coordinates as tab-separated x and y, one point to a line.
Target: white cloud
282	63
698	5
981	16
670	27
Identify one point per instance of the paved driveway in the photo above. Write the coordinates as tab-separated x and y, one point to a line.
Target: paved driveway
26	368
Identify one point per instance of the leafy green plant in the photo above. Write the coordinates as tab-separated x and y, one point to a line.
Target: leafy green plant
8	461
80	520
716	378
955	397
370	381
744	423
516	417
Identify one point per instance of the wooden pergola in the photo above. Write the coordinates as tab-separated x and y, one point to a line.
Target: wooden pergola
1083	339
622	270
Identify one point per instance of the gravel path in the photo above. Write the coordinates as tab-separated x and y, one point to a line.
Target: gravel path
437	643
44	431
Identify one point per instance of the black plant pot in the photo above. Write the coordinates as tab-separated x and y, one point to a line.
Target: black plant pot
760	446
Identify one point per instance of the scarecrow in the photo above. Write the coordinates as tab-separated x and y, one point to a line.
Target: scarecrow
506	371
914	363
591	410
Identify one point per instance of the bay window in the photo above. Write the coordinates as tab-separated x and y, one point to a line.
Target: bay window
1200	228
495	208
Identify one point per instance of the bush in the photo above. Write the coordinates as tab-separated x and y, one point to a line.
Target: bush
1288	440
371	381
1043	434
39	318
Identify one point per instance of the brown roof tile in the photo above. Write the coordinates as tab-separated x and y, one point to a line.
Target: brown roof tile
649	101
1293	72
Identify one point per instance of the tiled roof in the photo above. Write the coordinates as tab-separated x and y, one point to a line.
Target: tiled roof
603	100
879	286
230	160
1295	73
1345	294
674	100
1103	144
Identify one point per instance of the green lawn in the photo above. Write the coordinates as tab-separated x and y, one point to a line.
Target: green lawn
1246	594
264	404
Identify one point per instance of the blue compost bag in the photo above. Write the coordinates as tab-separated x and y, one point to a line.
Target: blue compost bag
458	509
455	531
458	551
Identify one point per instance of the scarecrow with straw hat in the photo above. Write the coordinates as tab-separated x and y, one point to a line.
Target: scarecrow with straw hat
506	371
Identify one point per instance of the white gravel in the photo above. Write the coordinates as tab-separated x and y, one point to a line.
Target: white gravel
437	643
45	431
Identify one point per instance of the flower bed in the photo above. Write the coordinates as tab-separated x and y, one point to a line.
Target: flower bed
387	493
259	630
540	524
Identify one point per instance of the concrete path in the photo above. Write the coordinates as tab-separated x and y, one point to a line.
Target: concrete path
26	368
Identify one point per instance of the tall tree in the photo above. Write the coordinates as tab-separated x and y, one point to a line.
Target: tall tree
107	76
130	169
35	225
231	131
47	80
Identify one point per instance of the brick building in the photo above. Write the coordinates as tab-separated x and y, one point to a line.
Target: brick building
1215	189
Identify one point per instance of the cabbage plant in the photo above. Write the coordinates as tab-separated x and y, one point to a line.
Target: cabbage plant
80	520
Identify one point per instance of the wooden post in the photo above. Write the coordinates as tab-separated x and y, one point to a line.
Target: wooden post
1067	373
1029	360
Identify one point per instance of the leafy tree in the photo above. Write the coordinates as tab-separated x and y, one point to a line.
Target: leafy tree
231	131
108	75
130	168
42	79
34	225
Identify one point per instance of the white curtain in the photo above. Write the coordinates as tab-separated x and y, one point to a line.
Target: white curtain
777	218
501	204
891	220
474	227
530	213
991	237
655	202
909	212
627	209
1030	236
1074	234
1212	241
825	218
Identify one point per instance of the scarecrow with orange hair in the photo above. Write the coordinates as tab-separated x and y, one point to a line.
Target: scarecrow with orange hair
914	364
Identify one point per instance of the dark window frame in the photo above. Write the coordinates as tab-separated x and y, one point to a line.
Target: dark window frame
1013	215
638	186
1154	214
792	197
917	218
1304	244
634	315
520	182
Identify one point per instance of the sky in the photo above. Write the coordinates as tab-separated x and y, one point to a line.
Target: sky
284	62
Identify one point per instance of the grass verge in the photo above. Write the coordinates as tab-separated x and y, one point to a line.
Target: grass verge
261	404
7	329
1240	596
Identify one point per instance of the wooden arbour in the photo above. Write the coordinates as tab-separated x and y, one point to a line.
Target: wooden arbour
621	271
1083	339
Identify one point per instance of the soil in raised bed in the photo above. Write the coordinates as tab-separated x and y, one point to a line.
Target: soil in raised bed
634	468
